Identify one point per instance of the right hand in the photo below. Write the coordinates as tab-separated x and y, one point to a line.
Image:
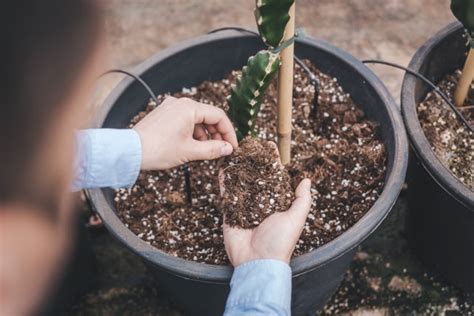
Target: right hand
275	237
182	130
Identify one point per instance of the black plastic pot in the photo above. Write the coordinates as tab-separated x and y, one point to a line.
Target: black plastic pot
440	221
202	289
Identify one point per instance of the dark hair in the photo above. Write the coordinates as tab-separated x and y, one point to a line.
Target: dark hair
44	46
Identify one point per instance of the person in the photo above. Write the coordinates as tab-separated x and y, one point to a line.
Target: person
51	57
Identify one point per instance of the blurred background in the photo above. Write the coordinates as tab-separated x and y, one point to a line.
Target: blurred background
391	30
384	279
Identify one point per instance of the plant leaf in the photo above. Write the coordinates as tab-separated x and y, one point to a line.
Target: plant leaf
272	17
246	95
463	10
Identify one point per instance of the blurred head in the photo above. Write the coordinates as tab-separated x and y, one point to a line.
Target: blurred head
50	58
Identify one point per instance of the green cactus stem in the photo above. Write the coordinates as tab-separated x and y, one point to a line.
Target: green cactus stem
272	17
246	95
463	10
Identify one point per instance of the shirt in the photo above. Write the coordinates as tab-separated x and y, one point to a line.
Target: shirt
112	158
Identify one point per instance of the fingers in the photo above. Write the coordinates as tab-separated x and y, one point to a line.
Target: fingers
301	205
209	149
215	119
168	100
207	117
200	133
275	146
221	178
204	132
214	132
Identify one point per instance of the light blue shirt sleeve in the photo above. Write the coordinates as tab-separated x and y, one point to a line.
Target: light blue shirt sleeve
106	158
260	287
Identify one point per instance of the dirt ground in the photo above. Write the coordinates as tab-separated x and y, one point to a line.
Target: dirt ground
384	279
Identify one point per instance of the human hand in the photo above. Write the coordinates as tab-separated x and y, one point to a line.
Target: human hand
275	237
182	130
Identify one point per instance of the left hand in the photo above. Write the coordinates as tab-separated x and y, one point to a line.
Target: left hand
276	237
182	130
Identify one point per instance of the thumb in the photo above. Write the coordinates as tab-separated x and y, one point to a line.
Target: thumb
302	204
221	178
209	149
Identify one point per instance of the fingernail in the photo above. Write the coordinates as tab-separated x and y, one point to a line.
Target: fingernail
226	149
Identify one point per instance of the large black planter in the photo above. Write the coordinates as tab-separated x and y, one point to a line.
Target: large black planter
440	221
202	289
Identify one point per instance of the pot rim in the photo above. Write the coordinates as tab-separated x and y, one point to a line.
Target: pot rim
420	144
312	260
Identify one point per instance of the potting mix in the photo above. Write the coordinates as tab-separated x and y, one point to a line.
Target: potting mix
451	141
254	183
334	144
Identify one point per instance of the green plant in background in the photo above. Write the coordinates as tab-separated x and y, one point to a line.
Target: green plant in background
463	10
247	93
272	17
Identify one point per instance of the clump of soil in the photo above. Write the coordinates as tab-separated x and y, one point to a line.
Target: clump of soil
337	147
256	184
451	140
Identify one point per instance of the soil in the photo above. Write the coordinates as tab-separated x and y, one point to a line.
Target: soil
336	146
450	139
250	196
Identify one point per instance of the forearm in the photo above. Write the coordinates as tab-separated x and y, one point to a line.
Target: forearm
260	287
107	158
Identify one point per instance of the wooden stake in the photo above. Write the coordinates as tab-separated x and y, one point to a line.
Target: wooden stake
285	93
465	81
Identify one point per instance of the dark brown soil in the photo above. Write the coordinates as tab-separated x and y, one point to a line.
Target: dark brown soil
338	149
451	141
256	184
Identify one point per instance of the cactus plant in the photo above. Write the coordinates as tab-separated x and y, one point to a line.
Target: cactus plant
246	94
463	10
272	17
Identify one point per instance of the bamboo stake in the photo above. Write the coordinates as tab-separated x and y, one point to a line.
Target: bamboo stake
285	93
465	81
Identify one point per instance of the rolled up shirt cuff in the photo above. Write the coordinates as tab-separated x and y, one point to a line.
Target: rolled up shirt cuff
260	287
107	158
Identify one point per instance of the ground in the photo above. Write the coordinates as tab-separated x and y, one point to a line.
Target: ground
384	278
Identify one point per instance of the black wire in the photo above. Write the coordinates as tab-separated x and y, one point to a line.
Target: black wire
233	28
137	78
428	82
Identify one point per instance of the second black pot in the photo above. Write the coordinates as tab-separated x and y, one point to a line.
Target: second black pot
440	221
201	289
